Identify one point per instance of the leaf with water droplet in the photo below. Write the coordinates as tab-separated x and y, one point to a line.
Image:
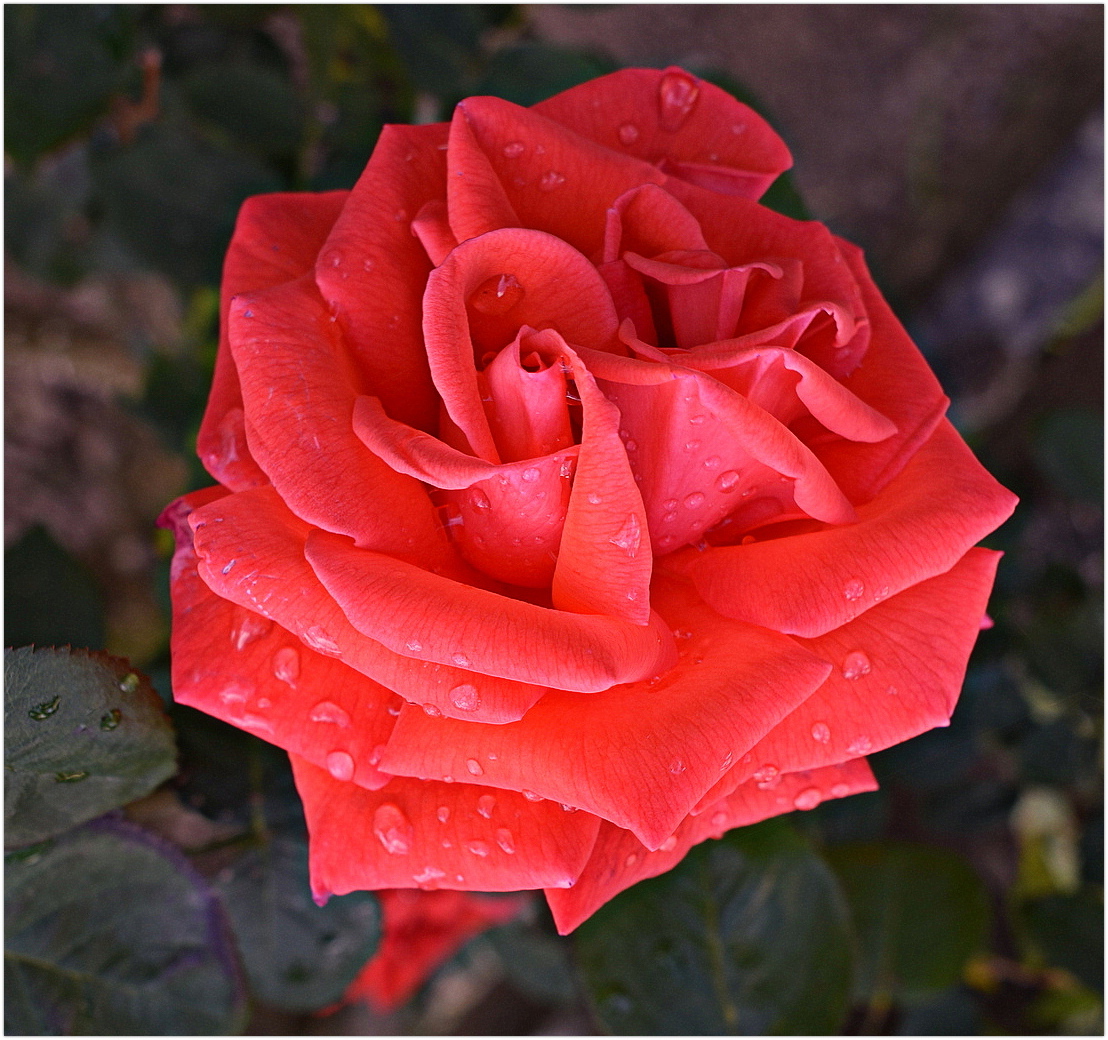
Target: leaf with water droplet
84	733
84	956
755	935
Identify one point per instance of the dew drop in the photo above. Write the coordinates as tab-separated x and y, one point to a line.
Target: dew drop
393	830
677	766
712	462
497	295
249	629
698	420
460	659
474	767
43	711
892	691
860	746
568	808
677	96
236	693
809	798
767	777
628	134
340	765
669	503
414	646
478	848
395	706
551	179
479	499
821	732
726	763
319	640
631	445
854	589
692	445
226	568
111	720
428	875
668	518
694	501
448	779
505	840
669	844
881	593
855	665
443	813
286	665
485	805
376	754
531	796
465	697
258	724
328	711
727	481
632	859
629	536
840	790
514	149
719	819
531	474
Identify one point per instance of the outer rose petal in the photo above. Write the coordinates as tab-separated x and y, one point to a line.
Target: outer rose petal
620	860
372	269
436	835
299	391
240	667
920	525
251	551
701	132
639	755
421	931
899	669
276	239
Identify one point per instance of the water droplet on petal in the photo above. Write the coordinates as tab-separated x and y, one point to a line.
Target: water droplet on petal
465	697
505	840
692	445
632	859
286	665
479	499
514	149
677	96
531	796
474	767
568	808
821	732
881	593
319	640
226	568
809	798
414	645
629	536
712	462
428	875
855	665
892	691
727	481
669	844
111	719
767	777
340	765
43	711
328	711
376	754
433	710
694	501
860	746
443	813
698	420
249	629
497	295
726	763
460	659
478	848
840	790
628	133
677	766
236	693
485	805
393	829
551	179
719	819
531	474
854	589
594	498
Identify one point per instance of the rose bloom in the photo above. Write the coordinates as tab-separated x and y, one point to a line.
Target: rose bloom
572	507
421	931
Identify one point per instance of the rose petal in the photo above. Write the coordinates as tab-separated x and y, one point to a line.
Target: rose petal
920	525
396	604
427	834
299	395
276	239
898	672
636	111
619	860
642	754
251	551
372	271
475	195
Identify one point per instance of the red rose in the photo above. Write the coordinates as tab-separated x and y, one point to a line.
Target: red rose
421	931
575	508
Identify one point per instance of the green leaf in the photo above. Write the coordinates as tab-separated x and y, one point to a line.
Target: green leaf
298	956
920	914
83	734
537	963
748	935
110	932
1067	931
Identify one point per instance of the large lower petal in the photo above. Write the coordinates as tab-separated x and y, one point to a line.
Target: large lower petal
427	834
639	755
298	388
276	239
432	618
372	270
920	525
619	860
898	672
699	131
251	552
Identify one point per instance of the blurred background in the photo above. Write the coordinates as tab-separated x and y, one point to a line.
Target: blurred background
960	145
